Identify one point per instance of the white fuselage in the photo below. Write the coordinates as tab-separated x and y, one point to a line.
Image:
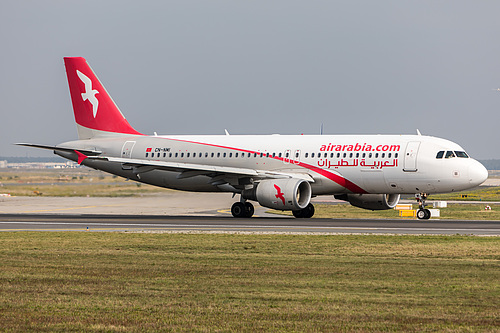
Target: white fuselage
336	163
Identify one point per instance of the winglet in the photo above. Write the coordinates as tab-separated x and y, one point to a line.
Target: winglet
81	157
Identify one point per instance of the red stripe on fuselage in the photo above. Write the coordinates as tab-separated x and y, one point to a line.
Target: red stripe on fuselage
325	173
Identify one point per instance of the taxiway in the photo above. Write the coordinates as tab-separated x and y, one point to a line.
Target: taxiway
175	213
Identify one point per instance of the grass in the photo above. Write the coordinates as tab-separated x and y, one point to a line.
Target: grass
71	183
490	193
120	282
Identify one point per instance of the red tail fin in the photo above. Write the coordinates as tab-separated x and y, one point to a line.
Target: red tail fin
95	112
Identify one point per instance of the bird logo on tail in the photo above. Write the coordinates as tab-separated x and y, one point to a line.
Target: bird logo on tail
89	93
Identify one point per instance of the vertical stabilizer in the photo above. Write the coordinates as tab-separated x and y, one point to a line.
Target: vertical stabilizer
96	114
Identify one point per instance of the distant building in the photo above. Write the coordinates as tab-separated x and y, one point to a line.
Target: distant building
39	165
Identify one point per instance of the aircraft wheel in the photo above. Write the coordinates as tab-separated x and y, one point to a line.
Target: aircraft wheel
423	214
249	210
238	209
305	213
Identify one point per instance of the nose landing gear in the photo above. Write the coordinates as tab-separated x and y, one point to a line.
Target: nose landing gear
422	212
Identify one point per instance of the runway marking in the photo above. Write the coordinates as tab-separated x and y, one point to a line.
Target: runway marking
71	208
228	212
244	227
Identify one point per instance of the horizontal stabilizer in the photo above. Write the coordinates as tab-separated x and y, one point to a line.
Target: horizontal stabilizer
66	149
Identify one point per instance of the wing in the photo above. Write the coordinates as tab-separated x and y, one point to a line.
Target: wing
219	174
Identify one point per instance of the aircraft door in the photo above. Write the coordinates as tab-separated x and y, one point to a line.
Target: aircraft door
127	149
411	153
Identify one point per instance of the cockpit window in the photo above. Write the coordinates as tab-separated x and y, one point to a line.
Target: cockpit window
449	154
461	154
440	154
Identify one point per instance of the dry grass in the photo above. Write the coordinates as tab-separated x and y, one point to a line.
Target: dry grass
70	183
118	282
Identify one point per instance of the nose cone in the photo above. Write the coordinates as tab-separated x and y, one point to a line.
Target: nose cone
477	173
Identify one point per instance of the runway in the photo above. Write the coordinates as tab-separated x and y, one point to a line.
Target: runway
195	212
145	223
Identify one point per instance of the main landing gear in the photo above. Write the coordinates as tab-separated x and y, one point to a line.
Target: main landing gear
422	212
242	209
245	209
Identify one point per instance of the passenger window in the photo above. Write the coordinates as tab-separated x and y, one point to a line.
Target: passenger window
235	154
312	155
383	155
224	155
146	154
306	154
187	155
370	155
297	155
176	154
357	155
218	154
461	154
182	155
449	154
331	155
338	155
279	155
440	154
396	155
230	154
350	155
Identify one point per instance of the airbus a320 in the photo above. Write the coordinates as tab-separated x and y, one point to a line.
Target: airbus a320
281	172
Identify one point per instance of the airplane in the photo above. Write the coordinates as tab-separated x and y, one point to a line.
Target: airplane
281	172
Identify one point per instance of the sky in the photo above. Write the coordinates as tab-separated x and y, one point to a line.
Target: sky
257	67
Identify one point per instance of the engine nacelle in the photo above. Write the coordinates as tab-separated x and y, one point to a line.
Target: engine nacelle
371	201
282	194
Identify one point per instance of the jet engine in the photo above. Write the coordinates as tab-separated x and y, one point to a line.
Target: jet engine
282	194
371	201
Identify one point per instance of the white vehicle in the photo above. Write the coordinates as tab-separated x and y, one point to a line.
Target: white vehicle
278	171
